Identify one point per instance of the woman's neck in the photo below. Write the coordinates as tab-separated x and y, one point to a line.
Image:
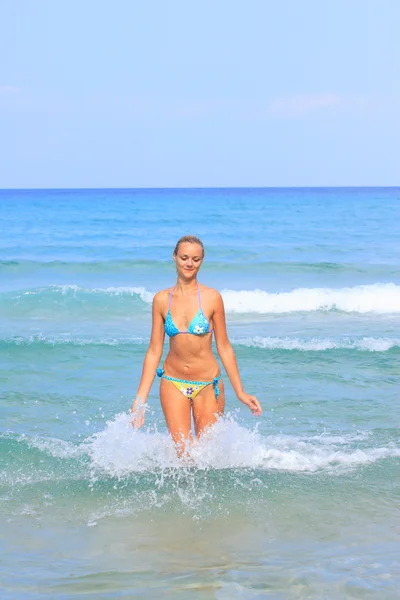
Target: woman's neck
186	287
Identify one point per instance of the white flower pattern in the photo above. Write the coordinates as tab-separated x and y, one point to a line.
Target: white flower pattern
198	329
189	391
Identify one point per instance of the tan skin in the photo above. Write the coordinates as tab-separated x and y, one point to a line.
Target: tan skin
190	356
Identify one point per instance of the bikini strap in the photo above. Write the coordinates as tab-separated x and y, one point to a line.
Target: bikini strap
170	298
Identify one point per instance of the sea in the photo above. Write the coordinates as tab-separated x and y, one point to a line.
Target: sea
300	503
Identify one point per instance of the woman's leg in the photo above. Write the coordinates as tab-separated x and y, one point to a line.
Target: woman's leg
206	408
177	413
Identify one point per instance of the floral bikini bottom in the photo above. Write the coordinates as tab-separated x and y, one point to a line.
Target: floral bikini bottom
190	389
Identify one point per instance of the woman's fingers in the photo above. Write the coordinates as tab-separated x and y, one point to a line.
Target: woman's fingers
252	403
137	411
137	421
255	406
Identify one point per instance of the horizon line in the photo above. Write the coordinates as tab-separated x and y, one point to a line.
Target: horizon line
183	188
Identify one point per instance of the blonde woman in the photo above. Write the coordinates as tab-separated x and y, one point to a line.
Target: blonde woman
191	384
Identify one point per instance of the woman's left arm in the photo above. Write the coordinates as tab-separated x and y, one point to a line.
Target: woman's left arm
228	357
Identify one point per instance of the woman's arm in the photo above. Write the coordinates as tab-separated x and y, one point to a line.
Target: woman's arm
151	361
228	357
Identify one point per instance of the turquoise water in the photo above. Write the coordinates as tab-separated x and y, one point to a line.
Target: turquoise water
301	503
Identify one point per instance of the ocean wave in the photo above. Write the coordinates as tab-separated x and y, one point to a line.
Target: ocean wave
313	344
65	267
55	302
254	264
76	291
68	340
378	298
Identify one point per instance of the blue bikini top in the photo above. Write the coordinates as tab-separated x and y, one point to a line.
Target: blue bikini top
197	326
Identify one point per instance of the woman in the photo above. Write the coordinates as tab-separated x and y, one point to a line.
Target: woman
190	380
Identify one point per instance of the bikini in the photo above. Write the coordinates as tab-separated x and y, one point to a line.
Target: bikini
199	325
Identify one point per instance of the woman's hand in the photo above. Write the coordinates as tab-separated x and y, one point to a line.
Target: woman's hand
251	402
138	410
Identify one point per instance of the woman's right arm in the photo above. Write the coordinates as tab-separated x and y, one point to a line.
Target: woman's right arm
151	360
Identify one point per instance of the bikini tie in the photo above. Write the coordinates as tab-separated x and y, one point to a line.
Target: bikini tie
215	384
160	372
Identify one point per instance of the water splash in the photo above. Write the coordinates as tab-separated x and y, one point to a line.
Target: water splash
118	450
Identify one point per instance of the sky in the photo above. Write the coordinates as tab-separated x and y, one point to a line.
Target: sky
217	93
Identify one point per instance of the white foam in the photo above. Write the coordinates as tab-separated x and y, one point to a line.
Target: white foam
119	450
144	294
54	447
378	298
53	340
365	344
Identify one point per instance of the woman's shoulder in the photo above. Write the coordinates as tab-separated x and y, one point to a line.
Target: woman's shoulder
162	296
209	292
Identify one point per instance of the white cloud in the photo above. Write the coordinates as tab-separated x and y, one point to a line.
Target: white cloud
8	89
302	104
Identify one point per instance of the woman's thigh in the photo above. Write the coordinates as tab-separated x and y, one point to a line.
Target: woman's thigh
177	412
206	408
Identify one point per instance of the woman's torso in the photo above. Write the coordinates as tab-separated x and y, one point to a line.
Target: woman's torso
190	353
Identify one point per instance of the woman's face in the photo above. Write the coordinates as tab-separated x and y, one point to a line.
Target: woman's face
188	259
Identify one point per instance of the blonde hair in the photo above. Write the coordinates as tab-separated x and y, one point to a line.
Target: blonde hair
191	239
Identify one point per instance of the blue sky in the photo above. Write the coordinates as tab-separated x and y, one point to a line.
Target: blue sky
168	93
